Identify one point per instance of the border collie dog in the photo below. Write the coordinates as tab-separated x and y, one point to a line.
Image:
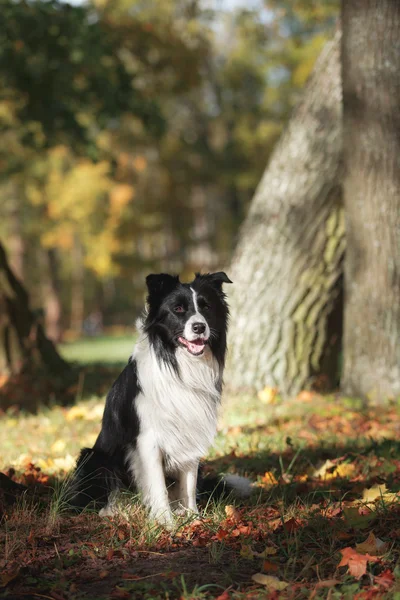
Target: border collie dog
160	415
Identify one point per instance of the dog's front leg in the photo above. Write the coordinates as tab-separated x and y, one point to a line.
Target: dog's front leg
187	487
149	477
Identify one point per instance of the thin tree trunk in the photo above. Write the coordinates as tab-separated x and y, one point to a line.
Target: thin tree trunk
51	295
371	86
288	263
77	288
16	242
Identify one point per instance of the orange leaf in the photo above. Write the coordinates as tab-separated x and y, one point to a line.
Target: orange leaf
268	479
232	513
291	525
223	596
356	562
268	395
110	554
244	529
103	574
221	534
385	579
31	537
3	379
270	567
235	532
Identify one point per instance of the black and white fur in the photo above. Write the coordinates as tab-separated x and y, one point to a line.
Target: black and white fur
160	416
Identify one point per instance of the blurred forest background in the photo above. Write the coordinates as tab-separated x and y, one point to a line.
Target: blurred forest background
133	135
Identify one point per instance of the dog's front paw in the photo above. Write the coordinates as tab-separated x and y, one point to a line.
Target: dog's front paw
182	511
164	518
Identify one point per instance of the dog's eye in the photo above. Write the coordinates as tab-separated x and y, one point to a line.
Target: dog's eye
179	309
204	306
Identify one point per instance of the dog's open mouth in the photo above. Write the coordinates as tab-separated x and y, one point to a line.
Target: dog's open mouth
195	347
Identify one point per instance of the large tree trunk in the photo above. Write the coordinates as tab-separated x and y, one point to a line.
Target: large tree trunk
287	268
23	345
371	85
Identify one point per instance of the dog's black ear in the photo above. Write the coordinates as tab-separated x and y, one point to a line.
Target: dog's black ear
216	279
162	284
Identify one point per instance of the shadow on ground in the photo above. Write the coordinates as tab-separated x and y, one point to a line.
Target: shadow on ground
303	521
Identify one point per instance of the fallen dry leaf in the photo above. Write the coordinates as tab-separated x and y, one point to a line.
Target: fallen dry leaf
103	574
306	396
385	579
269	581
76	412
8	576
345	470
64	463
221	534
58	446
372	545
232	513
356	562
268	395
246	552
268	551
268	480
330	470
110	554
291	525
223	596
3	379
269	566
374	493
327	583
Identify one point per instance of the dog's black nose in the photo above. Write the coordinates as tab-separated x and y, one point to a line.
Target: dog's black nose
199	327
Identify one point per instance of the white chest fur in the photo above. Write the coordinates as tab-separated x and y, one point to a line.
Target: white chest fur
178	413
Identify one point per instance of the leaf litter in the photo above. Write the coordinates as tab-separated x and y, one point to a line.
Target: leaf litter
325	512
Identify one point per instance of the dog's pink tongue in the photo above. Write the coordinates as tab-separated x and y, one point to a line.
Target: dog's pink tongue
195	347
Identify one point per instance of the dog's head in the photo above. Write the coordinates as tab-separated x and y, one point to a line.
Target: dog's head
188	315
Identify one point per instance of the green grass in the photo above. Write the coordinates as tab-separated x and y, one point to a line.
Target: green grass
311	460
100	349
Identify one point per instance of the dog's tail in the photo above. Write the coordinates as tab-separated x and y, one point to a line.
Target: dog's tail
215	487
96	476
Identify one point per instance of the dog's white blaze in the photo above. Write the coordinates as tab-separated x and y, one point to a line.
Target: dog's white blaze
194	294
188	332
178	423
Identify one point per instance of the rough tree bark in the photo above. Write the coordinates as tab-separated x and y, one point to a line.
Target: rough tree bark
23	344
287	268
371	94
